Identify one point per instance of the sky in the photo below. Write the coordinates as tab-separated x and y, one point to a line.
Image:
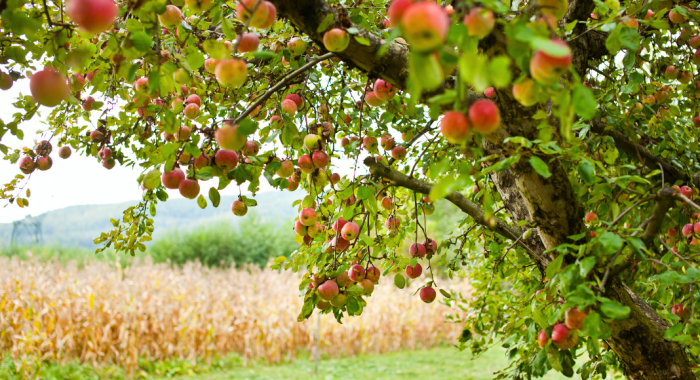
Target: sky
78	180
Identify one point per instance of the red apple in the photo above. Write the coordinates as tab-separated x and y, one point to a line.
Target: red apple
189	188
308	216
479	22
49	87
350	231
414	271
228	137
64	152
546	68
454	126
563	338
320	159
396	10
542	338
226	159
484	116
574	318
92	16
328	290
336	40
383	90
248	42
425	26
239	208
356	273
231	72
427	294
171	18
591	217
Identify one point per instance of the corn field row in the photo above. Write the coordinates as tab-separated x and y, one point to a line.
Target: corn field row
100	314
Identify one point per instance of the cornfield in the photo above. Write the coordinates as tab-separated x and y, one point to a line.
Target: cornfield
100	314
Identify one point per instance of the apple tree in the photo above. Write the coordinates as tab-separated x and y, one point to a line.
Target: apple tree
565	132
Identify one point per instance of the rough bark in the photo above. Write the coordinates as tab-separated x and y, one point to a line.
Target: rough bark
550	203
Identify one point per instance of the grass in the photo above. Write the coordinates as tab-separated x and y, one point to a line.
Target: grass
434	364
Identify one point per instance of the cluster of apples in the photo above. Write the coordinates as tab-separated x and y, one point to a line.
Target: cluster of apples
483	117
564	335
39	158
333	292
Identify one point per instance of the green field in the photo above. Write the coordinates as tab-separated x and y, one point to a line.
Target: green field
439	363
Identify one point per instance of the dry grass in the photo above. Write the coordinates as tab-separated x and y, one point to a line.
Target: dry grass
99	314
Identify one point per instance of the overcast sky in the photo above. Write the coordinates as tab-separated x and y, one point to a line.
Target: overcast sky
79	180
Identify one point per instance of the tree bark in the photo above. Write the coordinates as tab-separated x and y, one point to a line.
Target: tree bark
549	203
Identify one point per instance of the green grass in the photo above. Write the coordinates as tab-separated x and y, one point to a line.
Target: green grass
443	363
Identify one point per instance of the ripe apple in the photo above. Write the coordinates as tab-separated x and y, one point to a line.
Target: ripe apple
338	244
92	16
399	152
417	250
271	15
5	81
172	179
687	230
300	229
392	223
231	72
676	17
685	77
574	318
373	100
339	224
546	68
26	165
387	142
527	92
373	273
87	103
312	142
239	208
383	90
76	81
228	137
296	46
320	159
396	10
105	153
328	290
414	271
171	18
430	246
289	107
479	22
189	188
367	285
542	338
343	279
336	40
44	163
370	143
286	168
248	42
680	311
484	116
428	294
296	98
108	164
43	148
96	136
672	232
257	18
454	126
386	203
191	111
350	231
425	26
64	152
210	65
563	338
356	273
49	87
194	99
226	159
308	216
306	164
591	217
671	72
490	93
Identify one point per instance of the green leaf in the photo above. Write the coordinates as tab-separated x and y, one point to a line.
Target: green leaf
554	267
671	277
195	60
214	197
614	310
353	306
584	102
228	28
499	71
355	290
610	242
399	281
586	171
673	331
594	326
141	41
133	25
367	240
553	357
325	23
264	54
247	126
362	40
306	310
201	202
540	166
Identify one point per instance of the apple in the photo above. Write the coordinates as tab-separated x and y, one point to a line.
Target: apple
527	92
392	223
96	136
320	159
49	87
286	168
231	72
191	111
87	103
671	72
563	338
687	191
428	209
387	142
296	98
198	6
182	134
672	232
91	75
680	311
226	159
591	217
384	90
76	81
649	15
335	178
312	142
336	40
210	65
44	163
92	16
414	271
370	143
338	244
306	164
171	18
248	14
339	224
490	93
696	228
396	10
328	290
271	15
248	42
26	165
194	99
289	107
386	203
688	230
108	164
105	153
189	188
542	338
696	57
296	46
546	68
276	122
5	81
64	152
367	285
430	246
676	17
228	137
201	161
574	318
425	26
356	273
484	116
479	22
43	148
373	273
308	216
340	300
323	305
630	22
300	229
428	294
685	77
454	126
373	100
239	208
172	179
399	152
417	250
318	179
350	231
406	136
314	230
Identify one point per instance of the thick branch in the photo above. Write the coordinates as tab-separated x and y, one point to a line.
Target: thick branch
664	200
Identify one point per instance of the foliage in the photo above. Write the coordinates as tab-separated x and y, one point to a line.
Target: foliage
253	242
594	109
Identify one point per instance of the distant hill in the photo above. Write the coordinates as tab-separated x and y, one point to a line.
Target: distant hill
78	225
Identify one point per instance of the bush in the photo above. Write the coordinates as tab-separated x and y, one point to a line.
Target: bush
252	241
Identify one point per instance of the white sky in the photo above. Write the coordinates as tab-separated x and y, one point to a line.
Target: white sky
79	180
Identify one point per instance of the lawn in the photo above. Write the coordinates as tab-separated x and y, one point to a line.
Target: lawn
443	363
